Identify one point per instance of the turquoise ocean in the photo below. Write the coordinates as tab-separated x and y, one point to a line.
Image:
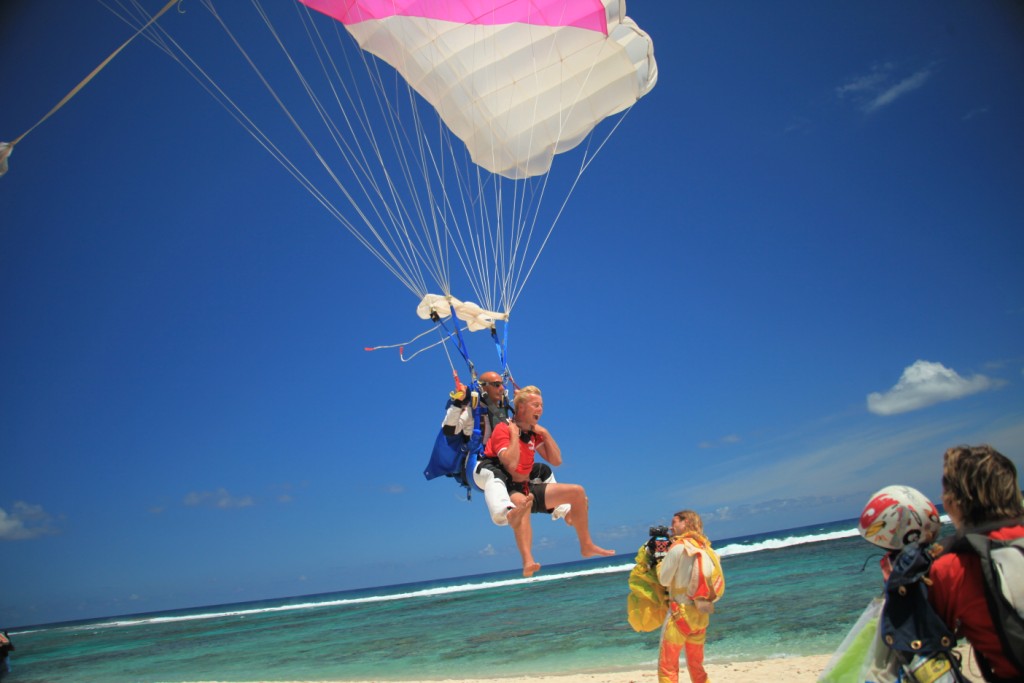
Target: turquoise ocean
793	592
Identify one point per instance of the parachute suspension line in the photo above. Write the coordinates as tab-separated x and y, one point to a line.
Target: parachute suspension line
409	278
470	254
435	246
436	264
355	156
588	158
448	355
457	214
434	242
7	148
584	164
526	201
217	93
400	232
472	206
205	81
433	249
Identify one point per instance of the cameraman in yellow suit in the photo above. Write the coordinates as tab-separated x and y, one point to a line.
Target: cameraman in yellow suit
692	573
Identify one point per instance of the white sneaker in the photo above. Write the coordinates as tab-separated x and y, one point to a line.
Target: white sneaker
560	512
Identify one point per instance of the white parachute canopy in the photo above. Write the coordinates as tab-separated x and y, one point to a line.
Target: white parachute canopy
517	82
438	161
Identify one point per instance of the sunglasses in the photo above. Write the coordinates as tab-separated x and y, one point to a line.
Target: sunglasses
491	384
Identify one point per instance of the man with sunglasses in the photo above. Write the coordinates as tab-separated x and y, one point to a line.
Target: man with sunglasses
490	476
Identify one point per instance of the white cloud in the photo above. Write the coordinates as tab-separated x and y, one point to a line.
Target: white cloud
774	506
893	93
871	82
880	87
721	514
219	498
980	111
725	440
924	384
823	460
488	551
26	521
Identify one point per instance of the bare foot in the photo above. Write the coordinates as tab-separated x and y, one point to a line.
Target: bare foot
515	515
595	551
530	569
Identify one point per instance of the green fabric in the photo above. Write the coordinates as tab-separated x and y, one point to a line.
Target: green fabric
647	603
849	660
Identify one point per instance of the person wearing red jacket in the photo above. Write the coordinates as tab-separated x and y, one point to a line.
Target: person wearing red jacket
514	445
980	494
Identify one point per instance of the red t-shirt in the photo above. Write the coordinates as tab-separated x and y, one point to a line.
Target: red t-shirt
499	441
958	596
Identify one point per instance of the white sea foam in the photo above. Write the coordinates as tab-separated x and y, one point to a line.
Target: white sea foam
426	592
468	586
777	543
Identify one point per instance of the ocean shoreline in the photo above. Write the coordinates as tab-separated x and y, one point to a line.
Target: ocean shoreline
799	669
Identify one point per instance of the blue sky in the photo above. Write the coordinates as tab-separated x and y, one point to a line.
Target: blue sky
791	278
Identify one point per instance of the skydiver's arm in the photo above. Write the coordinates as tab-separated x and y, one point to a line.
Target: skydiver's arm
548	448
509	457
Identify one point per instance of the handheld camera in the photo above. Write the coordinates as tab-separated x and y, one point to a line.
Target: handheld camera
658	544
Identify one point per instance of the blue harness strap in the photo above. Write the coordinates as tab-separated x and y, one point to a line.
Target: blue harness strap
455	455
502	347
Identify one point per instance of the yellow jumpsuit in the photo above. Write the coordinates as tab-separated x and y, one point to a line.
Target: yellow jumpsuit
691	572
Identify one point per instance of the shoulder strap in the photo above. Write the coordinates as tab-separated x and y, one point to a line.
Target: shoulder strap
1006	618
909	624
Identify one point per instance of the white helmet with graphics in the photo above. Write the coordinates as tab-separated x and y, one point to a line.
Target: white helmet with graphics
898	515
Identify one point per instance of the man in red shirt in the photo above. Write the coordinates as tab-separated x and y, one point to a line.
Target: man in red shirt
489	475
515	445
980	494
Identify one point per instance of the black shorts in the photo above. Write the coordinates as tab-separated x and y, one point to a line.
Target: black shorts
539	492
494	466
540	471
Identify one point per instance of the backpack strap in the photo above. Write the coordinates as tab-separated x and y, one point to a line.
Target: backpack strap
909	625
1008	624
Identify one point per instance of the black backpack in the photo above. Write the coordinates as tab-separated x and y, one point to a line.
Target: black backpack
1002	565
909	625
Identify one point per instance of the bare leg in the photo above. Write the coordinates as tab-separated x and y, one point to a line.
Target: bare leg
575	495
519	520
563	511
520	509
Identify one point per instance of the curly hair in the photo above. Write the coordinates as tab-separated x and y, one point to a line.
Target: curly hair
982	483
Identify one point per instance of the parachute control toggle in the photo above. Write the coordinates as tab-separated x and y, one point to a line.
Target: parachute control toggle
435	306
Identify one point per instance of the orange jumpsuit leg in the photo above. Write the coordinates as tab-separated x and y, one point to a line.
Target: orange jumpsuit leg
695	661
676	636
668	659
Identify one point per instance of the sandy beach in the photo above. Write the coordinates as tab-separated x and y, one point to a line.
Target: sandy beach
788	669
